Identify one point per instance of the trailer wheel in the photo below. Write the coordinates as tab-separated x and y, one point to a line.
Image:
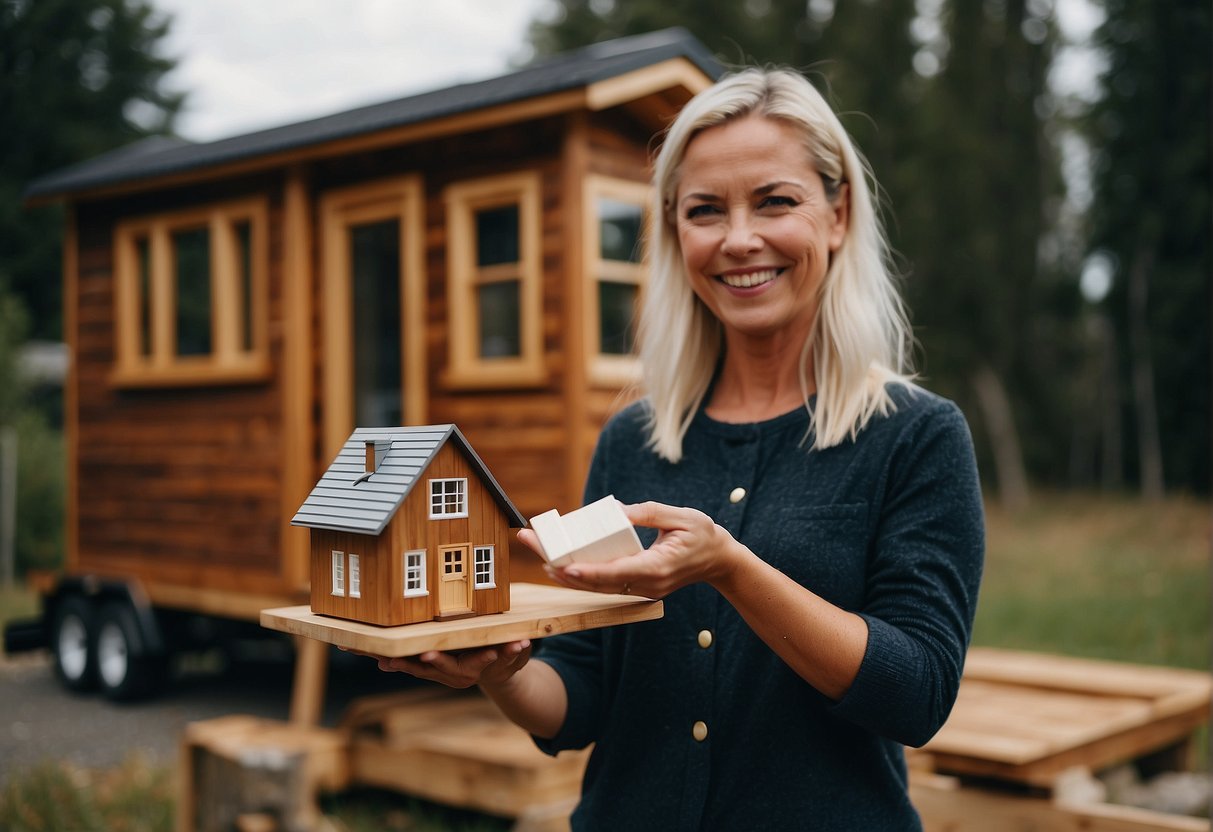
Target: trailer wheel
72	643
123	671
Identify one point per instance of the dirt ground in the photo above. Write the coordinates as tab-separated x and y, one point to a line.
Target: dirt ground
39	720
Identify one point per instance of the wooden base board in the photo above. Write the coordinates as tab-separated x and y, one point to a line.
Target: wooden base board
536	611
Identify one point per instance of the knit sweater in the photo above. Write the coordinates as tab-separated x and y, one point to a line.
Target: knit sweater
889	526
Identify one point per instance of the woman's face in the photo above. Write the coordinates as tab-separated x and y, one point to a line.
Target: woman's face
755	226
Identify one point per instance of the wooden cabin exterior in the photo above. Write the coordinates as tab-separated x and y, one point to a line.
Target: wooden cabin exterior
235	308
408	525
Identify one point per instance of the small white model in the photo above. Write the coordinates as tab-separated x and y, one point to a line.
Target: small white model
594	533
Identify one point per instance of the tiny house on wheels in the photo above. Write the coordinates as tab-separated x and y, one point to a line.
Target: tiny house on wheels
408	525
235	308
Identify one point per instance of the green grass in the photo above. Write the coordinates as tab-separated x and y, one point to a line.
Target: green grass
1080	575
1101	577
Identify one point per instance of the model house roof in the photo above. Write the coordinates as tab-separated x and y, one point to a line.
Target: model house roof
160	157
346	500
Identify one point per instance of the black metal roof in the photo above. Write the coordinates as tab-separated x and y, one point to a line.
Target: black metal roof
160	156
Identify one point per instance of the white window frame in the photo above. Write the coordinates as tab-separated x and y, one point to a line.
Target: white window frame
484	556
355	576
338	577
442	513
418	570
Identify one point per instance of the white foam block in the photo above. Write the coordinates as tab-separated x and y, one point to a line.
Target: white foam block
594	533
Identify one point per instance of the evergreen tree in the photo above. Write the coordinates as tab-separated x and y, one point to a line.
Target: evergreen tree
1151	133
77	78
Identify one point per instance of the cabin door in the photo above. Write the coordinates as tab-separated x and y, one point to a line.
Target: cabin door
373	312
455	586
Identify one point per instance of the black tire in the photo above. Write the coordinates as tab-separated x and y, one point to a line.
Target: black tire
72	629
123	671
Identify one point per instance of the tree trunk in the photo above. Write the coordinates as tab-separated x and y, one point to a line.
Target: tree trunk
1000	423
1149	445
1112	456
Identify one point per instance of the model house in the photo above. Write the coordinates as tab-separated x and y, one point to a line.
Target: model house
408	525
235	308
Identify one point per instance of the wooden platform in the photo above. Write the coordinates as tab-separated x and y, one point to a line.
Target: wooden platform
1027	717
536	611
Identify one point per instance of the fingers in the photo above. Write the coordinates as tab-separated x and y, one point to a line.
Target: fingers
659	515
463	669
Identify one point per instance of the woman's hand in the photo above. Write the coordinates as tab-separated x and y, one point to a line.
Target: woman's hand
487	666
689	548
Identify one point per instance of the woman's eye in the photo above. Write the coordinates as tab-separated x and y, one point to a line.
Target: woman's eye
777	202
701	211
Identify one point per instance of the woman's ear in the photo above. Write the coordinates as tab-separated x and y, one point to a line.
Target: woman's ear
841	206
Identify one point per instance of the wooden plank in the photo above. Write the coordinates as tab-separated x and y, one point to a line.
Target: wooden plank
536	611
946	806
1027	717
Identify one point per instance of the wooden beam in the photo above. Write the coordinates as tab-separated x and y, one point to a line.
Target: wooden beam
71	387
575	165
299	468
641	83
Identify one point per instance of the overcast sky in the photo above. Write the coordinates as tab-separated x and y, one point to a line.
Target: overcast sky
250	64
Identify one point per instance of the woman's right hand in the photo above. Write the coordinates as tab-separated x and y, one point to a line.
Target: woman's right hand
488	666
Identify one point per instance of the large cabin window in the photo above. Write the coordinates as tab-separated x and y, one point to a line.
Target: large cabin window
615	218
494	272
190	296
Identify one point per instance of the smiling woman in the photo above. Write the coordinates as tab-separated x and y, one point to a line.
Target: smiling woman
811	518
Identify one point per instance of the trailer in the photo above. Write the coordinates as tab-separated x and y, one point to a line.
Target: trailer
234	308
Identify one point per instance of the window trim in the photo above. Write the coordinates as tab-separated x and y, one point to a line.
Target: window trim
466	368
420	571
605	369
354	575
229	360
337	577
491	560
462	491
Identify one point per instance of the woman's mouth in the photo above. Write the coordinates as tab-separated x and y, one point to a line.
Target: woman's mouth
748	280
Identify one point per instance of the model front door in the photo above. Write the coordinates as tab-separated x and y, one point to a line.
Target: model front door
454	588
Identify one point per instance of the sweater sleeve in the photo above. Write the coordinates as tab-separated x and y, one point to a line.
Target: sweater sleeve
923	582
578	658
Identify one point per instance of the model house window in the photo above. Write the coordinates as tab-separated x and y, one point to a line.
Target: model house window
615	218
414	573
338	573
494	270
355	577
448	498
482	564
190	293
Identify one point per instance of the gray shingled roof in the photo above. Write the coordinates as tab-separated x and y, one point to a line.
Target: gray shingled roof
571	70
341	503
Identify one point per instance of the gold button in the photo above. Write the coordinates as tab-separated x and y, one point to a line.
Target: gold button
699	731
705	638
737	495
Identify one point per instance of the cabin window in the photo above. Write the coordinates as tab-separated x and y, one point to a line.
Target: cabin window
483	567
448	499
494	272
190	293
615	219
338	582
414	573
355	576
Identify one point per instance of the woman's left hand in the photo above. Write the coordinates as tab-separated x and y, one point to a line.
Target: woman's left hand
690	547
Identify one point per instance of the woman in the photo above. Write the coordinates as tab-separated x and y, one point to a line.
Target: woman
812	519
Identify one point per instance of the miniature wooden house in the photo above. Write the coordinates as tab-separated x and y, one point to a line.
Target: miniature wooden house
235	308
408	525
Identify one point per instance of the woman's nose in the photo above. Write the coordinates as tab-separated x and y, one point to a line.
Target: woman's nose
740	236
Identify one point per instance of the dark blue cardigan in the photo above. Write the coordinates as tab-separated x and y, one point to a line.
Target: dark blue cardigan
889	526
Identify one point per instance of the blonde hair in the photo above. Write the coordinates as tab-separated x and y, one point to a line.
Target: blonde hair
861	338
